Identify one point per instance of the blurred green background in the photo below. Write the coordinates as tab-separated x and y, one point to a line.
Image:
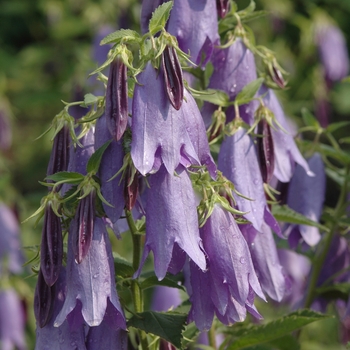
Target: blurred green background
45	57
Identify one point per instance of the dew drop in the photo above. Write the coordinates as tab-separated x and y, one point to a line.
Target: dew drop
255	181
95	275
242	260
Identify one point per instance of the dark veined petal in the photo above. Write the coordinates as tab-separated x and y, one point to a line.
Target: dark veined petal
173	77
43	301
117	99
265	150
223	7
83	226
60	152
51	251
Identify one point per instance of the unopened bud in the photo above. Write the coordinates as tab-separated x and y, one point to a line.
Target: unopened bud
223	7
173	77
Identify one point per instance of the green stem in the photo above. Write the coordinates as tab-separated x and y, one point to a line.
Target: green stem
136	291
324	248
211	337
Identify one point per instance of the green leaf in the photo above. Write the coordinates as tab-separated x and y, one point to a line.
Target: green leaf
335	126
119	35
216	97
153	281
286	214
189	334
168	326
345	140
122	266
309	119
248	92
95	160
329	151
69	177
160	17
257	334
90	99
229	22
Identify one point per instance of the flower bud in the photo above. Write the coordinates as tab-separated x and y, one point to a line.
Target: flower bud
60	152
277	77
173	77
83	226
265	150
117	99
222	7
51	247
43	301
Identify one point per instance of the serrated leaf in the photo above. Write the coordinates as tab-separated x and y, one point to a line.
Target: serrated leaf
69	177
153	281
248	92
95	159
257	334
160	17
335	126
340	290
286	214
90	99
216	97
122	34
309	119
168	326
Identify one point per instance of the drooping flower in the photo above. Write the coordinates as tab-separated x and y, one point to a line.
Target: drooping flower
112	161
287	154
230	281
10	246
92	282
333	51
66	335
12	321
171	219
195	26
234	68
162	134
306	196
239	163
264	255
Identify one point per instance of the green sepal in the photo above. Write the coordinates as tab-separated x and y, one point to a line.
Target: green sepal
309	119
249	335
335	126
286	214
168	326
217	97
122	35
122	266
95	159
160	17
69	177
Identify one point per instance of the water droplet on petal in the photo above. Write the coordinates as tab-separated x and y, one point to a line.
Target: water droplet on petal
242	260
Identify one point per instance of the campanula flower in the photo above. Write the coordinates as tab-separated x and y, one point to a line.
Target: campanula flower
230	281
92	282
161	134
171	219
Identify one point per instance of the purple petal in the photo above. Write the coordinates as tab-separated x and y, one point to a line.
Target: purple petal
286	151
306	196
265	259
112	161
10	245
171	217
157	125
92	281
12	321
239	163
228	254
165	298
195	26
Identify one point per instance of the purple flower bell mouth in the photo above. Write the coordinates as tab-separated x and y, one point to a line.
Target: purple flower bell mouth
161	134
173	77
117	99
